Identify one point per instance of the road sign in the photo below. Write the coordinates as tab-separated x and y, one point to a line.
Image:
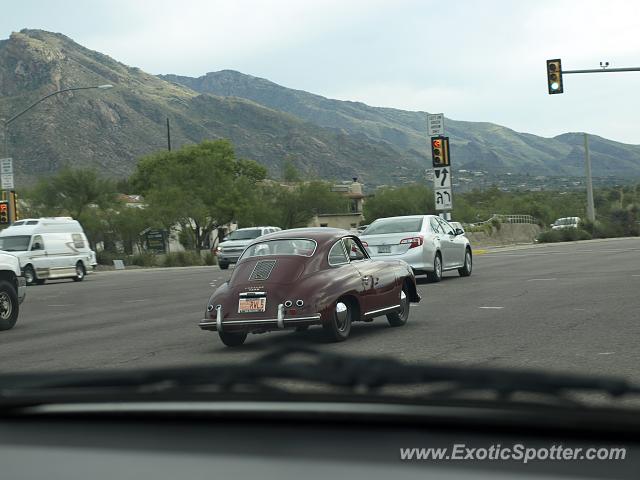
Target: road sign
6	182
443	199
442	178
435	124
6	174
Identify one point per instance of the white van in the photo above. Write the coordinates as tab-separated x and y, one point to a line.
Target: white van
51	247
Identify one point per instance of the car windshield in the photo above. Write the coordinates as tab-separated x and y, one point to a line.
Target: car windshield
302	247
244	234
18	243
394	225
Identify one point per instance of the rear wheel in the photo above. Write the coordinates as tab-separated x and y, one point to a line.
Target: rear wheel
339	327
9	305
399	318
29	275
223	266
436	275
80	272
231	339
465	271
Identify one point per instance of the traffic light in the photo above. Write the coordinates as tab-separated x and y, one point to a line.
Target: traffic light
554	76
440	151
4	212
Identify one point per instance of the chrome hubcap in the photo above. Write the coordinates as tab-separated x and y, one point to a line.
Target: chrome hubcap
79	271
404	303
28	276
342	315
438	267
6	306
467	260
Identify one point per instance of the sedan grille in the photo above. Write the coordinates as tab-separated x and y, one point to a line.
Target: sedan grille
262	270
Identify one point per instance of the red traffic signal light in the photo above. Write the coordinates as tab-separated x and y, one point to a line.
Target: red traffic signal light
4	212
440	151
554	76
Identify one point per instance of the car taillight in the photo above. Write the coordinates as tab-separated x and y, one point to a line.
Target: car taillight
412	241
365	244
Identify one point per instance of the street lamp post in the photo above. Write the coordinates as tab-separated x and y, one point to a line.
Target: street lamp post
12	119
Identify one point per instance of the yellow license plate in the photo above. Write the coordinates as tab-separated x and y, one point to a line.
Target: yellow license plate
252	305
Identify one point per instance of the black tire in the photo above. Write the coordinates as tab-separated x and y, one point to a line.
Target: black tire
302	328
231	339
223	266
9	305
436	275
40	281
467	268
398	319
81	272
339	327
30	275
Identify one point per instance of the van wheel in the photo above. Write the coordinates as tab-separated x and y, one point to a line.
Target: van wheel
29	275
9	305
80	272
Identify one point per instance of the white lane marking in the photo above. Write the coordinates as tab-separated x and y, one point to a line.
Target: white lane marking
492	308
135	301
65	305
635	275
541	279
606	353
580	309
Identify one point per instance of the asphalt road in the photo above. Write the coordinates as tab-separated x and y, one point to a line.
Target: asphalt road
571	307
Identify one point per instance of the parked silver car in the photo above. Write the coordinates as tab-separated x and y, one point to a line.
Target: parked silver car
234	244
429	244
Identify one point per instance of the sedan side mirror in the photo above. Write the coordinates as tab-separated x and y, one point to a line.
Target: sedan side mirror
459	231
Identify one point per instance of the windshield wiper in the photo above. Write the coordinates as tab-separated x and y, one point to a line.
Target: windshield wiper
277	371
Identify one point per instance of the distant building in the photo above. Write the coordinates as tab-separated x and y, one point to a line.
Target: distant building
350	220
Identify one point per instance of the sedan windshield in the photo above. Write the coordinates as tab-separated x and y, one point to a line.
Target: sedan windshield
394	225
244	234
301	247
18	243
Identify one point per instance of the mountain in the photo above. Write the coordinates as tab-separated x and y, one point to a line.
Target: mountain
110	129
479	145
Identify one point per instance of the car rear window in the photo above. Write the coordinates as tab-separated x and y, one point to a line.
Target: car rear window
394	225
302	247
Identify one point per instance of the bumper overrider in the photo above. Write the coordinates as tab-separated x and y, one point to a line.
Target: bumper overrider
247	325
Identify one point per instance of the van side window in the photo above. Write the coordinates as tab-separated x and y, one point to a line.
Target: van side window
78	241
37	243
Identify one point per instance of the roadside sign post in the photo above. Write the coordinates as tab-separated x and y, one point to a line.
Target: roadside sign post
441	160
7	184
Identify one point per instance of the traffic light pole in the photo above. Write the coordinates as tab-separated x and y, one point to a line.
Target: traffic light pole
603	70
591	211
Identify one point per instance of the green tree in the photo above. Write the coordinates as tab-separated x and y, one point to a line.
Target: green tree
71	192
198	187
414	199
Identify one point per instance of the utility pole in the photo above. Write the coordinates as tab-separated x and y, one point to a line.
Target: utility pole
168	135
591	211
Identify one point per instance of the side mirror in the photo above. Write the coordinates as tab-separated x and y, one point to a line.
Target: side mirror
224	239
459	231
36	246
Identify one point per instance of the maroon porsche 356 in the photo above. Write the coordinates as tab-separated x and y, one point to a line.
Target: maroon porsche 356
309	276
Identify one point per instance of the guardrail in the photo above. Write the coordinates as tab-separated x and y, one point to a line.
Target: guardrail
509	219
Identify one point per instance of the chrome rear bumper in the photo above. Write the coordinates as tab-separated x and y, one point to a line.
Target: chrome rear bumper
238	324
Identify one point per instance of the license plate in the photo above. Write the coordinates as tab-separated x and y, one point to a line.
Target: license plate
252	305
384	249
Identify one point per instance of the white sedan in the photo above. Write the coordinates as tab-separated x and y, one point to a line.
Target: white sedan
428	243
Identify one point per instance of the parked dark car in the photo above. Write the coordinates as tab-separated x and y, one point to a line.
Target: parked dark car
311	276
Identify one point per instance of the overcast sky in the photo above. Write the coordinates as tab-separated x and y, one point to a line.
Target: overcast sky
472	60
